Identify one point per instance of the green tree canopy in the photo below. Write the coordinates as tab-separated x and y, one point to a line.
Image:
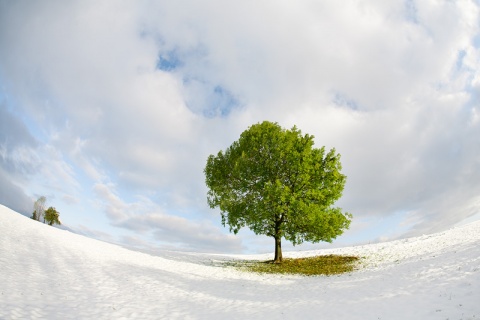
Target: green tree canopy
52	216
276	183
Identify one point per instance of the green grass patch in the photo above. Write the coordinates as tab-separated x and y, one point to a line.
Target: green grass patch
310	266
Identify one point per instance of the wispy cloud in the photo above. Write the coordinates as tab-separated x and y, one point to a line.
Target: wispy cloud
113	108
149	219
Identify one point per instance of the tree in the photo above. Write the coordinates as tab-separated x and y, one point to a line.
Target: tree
274	182
52	216
39	208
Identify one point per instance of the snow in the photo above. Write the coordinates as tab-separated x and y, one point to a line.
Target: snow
48	273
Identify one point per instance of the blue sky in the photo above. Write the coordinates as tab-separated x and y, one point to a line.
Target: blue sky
110	110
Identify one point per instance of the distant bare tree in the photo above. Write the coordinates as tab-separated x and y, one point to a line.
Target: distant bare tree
39	209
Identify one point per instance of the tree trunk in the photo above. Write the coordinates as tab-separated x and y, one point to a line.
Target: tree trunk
278	250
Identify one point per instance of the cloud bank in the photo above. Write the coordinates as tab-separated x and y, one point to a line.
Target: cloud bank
111	109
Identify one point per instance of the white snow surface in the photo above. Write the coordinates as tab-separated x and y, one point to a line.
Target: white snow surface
48	273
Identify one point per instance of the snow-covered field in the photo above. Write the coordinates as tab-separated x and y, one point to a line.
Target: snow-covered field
49	273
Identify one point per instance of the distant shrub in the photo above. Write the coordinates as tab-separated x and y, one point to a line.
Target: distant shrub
52	216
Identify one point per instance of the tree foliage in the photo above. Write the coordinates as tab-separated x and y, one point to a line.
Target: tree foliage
276	183
52	216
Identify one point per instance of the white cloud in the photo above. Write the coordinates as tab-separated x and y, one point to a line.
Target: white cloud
393	86
147	218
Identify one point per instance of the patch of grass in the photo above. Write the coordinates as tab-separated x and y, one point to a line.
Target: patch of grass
310	266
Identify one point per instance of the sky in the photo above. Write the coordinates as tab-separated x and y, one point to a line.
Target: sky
110	109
